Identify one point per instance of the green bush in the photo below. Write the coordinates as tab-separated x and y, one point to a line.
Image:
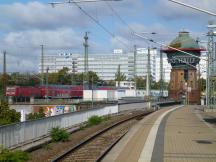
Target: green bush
7	115
16	156
33	116
94	120
58	134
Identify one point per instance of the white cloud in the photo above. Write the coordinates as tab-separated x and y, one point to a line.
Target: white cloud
36	15
42	16
163	34
23	47
60	38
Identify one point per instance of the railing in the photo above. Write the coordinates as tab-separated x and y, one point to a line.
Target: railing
18	133
65	101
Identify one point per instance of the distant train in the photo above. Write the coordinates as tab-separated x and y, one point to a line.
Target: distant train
53	91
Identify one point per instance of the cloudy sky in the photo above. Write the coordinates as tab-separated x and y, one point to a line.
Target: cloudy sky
26	24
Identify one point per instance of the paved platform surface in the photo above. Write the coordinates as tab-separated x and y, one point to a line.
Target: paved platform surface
172	134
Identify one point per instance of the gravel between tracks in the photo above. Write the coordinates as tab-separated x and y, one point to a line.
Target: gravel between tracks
48	152
93	149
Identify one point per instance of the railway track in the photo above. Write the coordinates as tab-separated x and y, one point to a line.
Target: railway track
96	146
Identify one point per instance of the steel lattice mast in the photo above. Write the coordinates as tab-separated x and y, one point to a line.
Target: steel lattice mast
135	55
210	67
4	79
85	79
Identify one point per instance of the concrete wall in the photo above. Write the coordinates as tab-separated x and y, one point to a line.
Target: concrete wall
87	95
130	92
18	133
132	106
27	109
99	95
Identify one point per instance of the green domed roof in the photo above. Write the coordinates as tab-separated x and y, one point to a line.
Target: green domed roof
184	41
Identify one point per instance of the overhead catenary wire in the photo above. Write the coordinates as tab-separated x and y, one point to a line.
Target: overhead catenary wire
99	24
119	17
130	28
133	31
153	41
193	7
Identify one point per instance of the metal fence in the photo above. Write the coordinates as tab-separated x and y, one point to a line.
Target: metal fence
18	133
62	101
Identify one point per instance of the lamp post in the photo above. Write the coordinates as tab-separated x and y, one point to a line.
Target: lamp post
148	80
135	64
47	70
161	74
4	76
92	79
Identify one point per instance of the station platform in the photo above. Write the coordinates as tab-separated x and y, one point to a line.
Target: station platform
172	134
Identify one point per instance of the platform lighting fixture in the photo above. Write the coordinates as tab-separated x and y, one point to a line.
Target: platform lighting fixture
193	7
77	1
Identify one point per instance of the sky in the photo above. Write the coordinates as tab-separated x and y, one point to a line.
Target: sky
27	24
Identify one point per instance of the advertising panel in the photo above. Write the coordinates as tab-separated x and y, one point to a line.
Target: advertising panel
59	109
51	110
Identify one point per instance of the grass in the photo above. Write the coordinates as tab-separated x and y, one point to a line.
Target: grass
47	146
7	155
95	120
59	135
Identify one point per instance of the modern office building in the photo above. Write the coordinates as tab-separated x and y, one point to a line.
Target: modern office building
105	65
166	69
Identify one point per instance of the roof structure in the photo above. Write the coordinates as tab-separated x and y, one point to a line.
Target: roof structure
184	42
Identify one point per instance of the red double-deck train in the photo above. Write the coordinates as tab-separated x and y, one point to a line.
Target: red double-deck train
53	91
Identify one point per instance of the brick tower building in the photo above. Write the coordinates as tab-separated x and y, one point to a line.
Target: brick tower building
183	78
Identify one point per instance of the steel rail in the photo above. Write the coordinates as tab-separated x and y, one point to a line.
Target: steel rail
97	134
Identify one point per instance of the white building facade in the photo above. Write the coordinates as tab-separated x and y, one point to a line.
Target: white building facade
166	69
105	65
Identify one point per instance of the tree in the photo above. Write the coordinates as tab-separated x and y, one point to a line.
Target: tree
119	76
109	83
7	115
63	76
1	86
53	78
155	85
202	84
140	83
92	76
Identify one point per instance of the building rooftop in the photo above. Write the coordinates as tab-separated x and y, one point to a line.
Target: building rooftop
184	42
